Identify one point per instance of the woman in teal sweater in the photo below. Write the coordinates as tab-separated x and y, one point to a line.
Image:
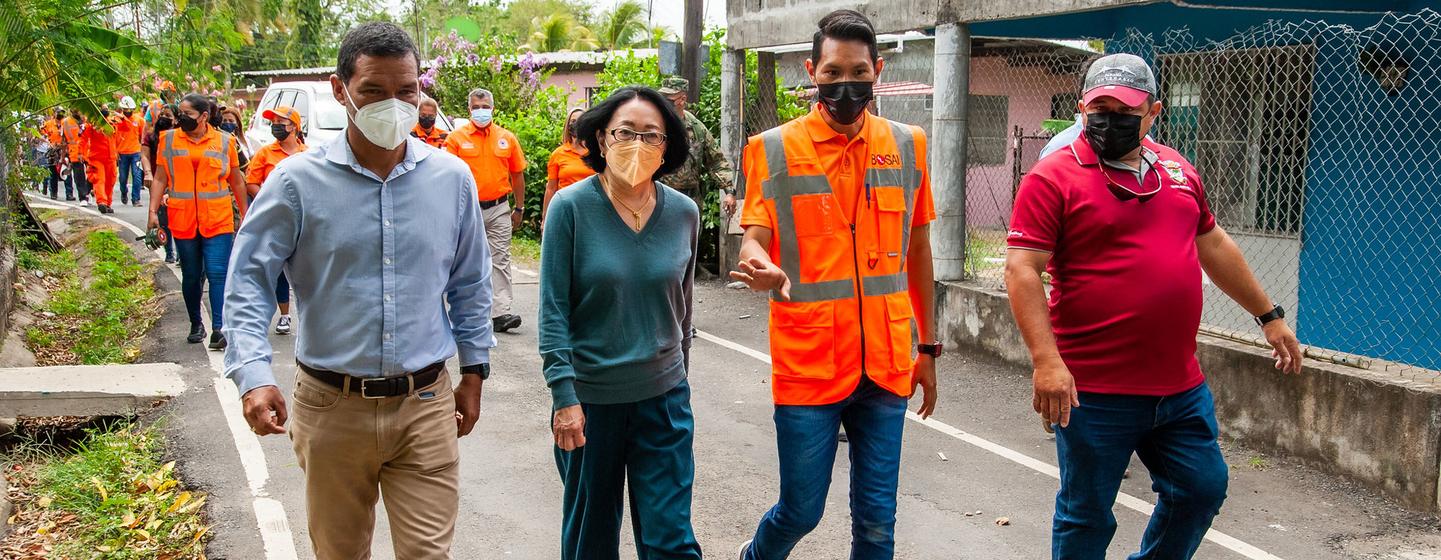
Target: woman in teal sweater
617	264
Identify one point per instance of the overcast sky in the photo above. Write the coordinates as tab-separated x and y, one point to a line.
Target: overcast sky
670	13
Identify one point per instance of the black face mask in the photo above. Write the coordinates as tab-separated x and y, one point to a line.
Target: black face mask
104	113
427	122
164	123
188	123
279	132
845	101
1113	135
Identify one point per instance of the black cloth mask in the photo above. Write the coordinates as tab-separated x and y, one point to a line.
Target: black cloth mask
164	123
279	132
427	122
846	101
188	123
1113	135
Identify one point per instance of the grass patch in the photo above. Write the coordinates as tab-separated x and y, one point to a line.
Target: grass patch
982	248
96	316
525	249
111	497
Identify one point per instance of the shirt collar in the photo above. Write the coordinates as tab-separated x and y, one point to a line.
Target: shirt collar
822	132
338	151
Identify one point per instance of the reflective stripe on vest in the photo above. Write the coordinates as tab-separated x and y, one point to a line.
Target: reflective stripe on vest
782	186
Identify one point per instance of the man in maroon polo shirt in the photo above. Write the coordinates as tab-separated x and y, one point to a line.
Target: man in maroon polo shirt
1123	227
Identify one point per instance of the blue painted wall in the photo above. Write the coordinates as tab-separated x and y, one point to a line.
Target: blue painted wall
1371	245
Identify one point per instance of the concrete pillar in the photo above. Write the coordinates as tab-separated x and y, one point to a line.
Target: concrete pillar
948	149
732	139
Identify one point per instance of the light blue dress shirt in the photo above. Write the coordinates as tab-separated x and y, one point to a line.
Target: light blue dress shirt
373	264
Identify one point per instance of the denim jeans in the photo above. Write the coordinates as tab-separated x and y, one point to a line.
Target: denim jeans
52	182
204	259
647	445
874	420
282	289
77	177
130	168
1175	437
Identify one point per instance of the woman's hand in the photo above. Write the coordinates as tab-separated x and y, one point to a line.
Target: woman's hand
568	426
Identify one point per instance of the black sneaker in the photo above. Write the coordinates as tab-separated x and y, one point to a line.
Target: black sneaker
505	323
124	200
197	334
217	341
70	198
171	260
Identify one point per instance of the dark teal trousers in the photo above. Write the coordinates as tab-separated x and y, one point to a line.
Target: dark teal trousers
648	445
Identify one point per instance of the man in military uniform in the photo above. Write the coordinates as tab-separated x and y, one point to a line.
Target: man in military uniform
705	161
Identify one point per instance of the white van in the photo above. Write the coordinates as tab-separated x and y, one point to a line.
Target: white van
322	118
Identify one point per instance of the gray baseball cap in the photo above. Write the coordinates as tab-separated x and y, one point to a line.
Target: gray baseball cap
1125	77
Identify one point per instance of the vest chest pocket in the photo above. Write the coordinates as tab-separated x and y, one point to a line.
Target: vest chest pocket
891	219
814	215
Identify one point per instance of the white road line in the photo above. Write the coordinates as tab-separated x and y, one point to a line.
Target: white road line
270	514
1142	506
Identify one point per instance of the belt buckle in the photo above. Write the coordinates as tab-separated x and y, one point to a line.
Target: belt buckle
366	382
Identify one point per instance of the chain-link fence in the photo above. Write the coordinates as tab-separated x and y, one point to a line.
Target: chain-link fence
1318	145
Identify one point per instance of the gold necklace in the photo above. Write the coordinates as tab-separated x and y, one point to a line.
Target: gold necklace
633	212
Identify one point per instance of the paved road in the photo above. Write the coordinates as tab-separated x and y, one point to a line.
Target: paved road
995	462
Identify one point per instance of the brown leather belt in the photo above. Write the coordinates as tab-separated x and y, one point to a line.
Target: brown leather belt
379	387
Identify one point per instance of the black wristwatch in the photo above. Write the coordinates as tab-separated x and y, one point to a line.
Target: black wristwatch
932	350
483	370
1277	312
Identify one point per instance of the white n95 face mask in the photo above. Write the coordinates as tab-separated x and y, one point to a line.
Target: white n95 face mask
385	123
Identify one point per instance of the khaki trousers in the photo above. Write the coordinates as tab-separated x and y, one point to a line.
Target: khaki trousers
354	450
497	234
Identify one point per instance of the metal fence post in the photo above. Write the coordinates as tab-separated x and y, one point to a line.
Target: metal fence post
948	170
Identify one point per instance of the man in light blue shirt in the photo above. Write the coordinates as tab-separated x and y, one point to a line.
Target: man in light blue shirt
381	238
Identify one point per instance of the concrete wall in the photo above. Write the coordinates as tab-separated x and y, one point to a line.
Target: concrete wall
1379	429
766	23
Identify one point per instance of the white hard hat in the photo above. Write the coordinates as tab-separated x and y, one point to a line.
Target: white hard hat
127	102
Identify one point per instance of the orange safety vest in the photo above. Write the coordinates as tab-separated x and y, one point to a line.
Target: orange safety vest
199	190
849	312
70	129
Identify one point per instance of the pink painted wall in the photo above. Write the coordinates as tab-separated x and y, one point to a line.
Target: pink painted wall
1029	89
574	83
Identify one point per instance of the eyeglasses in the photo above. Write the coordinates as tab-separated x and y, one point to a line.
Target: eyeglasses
624	134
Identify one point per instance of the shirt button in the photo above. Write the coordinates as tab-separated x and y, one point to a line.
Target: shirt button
387	260
387	223
387	336
387	297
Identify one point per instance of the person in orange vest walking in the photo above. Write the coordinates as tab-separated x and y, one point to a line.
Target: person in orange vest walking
98	148
495	158
56	162
128	130
836	230
567	164
425	128
285	127
198	168
75	156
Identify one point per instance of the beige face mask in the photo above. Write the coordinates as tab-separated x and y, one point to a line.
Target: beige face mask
633	162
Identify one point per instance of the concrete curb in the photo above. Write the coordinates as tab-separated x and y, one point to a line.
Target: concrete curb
1371	426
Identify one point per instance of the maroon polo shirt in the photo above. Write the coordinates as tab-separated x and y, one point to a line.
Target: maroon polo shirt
1125	280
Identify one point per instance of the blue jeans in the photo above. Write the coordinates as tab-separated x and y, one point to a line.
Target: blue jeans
1175	437
129	165
874	419
282	289
204	259
649	443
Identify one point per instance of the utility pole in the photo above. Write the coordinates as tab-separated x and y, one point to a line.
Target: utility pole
694	28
